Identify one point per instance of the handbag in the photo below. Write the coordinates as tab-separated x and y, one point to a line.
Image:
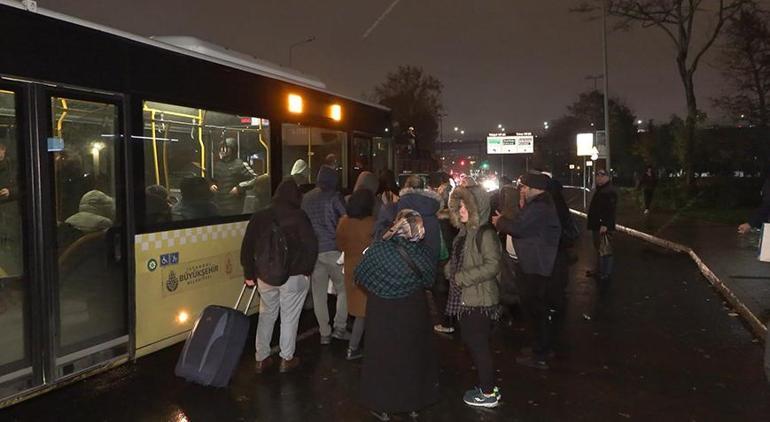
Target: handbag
409	261
443	253
605	244
764	243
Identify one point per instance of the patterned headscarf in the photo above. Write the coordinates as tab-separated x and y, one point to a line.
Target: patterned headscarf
407	224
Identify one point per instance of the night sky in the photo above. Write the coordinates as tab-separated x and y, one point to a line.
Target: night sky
515	62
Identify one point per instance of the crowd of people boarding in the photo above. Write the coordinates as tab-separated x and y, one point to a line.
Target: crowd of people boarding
390	253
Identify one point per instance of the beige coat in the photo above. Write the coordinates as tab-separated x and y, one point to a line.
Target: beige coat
353	236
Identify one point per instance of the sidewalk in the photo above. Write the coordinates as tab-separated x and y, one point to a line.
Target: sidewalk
730	256
657	345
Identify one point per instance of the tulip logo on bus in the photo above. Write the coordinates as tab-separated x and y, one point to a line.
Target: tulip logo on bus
172	282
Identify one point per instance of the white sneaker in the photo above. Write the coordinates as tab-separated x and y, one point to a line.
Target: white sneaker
439	328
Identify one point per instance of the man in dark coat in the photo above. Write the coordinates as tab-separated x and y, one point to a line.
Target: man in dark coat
535	232
762	215
232	177
324	206
301	254
601	222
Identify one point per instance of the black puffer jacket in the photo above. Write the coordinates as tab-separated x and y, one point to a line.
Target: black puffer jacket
7	179
296	227
603	206
229	174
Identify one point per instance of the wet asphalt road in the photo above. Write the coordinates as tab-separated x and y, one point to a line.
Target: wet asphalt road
659	346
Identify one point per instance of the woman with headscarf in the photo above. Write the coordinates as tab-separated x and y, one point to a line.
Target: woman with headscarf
400	372
354	234
474	296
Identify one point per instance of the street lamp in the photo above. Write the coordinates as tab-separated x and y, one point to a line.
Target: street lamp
297	44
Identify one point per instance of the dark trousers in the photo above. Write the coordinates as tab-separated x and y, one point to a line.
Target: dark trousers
441	295
542	301
606	262
475	327
648	198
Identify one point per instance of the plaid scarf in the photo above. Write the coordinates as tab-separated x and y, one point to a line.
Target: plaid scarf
454	303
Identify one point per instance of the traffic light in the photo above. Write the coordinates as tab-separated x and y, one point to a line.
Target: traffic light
462	162
485	165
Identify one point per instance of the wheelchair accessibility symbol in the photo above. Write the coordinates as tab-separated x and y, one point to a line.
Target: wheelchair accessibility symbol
152	265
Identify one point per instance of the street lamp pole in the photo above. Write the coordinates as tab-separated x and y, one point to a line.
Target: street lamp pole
298	43
606	86
441	137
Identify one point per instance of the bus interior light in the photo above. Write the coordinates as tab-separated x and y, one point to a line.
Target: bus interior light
295	104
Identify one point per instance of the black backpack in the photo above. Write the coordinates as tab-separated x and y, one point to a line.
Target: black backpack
480	234
271	255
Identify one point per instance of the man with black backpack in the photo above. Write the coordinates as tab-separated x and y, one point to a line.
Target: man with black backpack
278	254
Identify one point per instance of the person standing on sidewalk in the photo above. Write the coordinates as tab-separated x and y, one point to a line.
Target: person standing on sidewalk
301	254
536	232
400	369
324	207
762	215
647	185
440	184
601	222
354	234
473	269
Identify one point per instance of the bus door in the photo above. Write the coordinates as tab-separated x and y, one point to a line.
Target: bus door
63	285
83	197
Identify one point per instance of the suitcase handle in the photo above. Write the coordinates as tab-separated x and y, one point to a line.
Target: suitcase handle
240	296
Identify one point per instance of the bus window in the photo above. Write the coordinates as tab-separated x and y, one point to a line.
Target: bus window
381	155
10	217
14	351
361	153
201	163
305	149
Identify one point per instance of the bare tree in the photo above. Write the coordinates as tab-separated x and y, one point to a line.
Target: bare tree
745	65
680	20
414	96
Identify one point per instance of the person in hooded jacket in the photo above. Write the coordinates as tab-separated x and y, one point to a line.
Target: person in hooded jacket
324	206
197	200
415	196
96	213
354	234
301	254
535	232
400	369
369	181
232	177
472	272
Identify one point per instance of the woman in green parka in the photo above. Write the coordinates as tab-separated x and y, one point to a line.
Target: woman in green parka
473	270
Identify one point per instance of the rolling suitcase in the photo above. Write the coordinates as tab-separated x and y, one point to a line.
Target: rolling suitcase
214	347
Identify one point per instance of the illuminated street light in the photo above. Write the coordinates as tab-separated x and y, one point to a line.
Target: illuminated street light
456	128
462	132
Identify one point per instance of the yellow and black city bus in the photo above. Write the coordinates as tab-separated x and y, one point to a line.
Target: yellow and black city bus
119	219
